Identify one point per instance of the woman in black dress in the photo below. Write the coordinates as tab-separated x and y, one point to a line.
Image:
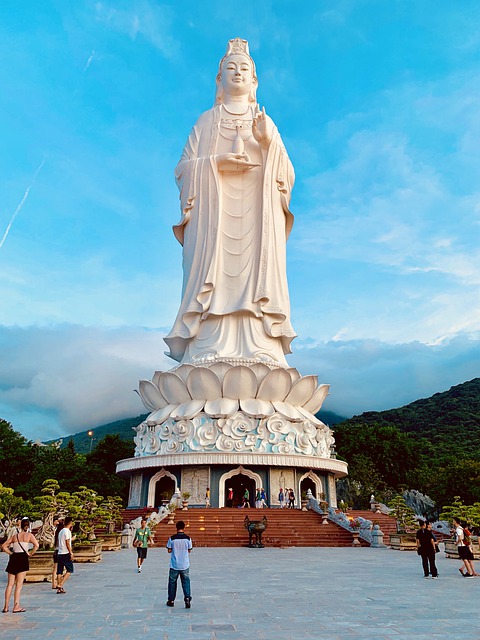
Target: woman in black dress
17	546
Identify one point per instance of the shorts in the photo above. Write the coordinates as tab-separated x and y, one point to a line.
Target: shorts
142	552
465	553
64	561
17	563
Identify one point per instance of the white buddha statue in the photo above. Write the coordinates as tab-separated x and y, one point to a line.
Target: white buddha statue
235	181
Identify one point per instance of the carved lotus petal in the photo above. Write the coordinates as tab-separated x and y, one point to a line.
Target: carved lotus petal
317	399
294	374
188	410
291	413
156	377
151	396
220	369
257	408
183	371
173	388
260	370
221	408
240	382
203	384
275	386
309	416
159	416
302	391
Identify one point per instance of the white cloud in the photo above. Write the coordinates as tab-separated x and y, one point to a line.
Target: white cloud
57	381
146	19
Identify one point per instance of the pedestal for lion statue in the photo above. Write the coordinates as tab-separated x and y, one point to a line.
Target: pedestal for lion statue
231	416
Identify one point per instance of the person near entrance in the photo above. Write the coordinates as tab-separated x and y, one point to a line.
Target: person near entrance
230	497
179	546
246	499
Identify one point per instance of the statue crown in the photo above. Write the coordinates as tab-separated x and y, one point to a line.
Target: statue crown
237	45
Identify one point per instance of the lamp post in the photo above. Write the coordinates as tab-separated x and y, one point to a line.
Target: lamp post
90	435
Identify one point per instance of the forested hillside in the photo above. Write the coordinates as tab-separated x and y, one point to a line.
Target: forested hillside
432	445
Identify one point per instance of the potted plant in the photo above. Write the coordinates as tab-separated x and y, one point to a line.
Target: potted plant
171	513
52	502
110	515
405	537
185	497
303	501
86	511
355	527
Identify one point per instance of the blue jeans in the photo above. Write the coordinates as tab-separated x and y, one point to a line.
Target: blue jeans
172	583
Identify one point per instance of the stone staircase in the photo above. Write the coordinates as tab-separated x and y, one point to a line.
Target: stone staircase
225	528
388	524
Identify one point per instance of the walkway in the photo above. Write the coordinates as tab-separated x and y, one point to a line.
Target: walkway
269	594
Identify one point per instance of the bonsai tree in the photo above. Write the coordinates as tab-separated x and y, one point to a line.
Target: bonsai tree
185	495
11	508
404	515
467	513
86	510
52	502
111	513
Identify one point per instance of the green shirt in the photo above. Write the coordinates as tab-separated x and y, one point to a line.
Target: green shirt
143	535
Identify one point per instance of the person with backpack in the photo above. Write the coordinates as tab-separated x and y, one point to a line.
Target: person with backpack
463	539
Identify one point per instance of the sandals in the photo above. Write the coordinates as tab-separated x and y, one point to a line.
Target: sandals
4	610
60	590
18	610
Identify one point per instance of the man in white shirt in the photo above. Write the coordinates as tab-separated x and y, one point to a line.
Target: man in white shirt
65	554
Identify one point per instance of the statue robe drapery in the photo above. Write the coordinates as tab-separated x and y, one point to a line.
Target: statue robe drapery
253	322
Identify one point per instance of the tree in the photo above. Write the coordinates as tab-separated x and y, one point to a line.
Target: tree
16	455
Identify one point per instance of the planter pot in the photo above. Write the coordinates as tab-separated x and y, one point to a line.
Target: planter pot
451	549
110	541
403	541
41	567
91	552
304	505
184	505
171	517
356	541
324	518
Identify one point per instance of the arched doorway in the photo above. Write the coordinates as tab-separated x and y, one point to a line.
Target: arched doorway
239	484
311	481
164	490
162	483
238	479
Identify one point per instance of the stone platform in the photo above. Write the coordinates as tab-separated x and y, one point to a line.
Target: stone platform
258	594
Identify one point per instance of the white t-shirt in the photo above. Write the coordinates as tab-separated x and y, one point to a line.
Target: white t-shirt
64	535
460	534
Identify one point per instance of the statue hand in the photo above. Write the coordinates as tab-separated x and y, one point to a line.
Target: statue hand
262	128
234	162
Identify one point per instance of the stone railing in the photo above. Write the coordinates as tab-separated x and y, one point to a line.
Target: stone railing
341	519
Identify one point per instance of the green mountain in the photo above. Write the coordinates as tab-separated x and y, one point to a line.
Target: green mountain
449	421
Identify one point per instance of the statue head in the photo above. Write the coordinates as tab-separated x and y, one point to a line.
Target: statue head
237	55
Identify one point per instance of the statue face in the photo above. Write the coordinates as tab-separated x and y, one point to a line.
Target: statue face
237	75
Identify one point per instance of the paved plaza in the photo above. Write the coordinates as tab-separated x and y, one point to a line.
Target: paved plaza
271	594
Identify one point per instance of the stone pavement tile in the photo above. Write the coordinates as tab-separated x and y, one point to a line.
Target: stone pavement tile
278	594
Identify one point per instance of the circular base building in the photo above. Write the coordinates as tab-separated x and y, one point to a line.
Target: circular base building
231	426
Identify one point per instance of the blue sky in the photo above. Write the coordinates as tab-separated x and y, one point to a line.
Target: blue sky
378	104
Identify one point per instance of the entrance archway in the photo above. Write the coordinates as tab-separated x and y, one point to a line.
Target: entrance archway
163	482
311	481
238	479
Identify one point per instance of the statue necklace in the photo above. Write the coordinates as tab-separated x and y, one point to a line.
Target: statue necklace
232	113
